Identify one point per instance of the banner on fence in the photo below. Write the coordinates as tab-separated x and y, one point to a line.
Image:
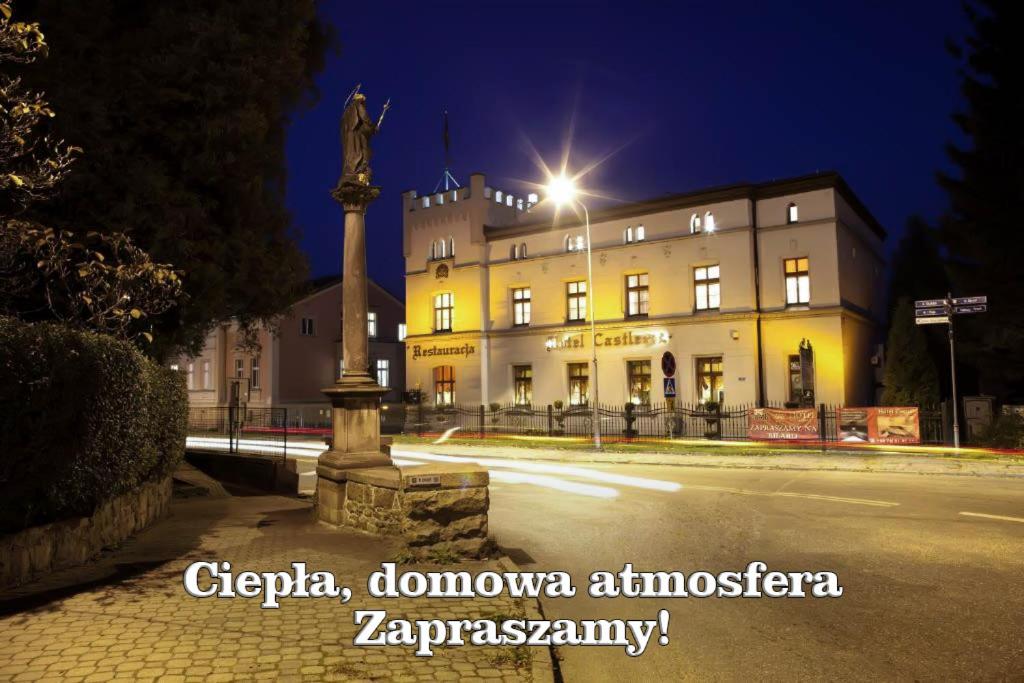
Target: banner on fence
879	425
783	423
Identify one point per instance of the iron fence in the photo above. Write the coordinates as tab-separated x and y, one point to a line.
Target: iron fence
239	429
629	422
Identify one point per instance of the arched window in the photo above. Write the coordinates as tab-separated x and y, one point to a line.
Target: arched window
451	247
522	250
579	243
640	233
442	248
709	222
695	223
569	244
509	199
628	236
791	213
512	253
433	250
497	196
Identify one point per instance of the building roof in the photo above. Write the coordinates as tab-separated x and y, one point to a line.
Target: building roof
751	191
321	284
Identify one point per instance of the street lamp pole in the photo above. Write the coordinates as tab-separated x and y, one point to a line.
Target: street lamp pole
595	410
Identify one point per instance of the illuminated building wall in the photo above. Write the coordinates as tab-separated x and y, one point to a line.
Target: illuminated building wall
691	257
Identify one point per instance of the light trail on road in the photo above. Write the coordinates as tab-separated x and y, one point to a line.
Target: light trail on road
1002	518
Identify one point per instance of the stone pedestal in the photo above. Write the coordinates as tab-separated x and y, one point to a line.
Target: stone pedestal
439	507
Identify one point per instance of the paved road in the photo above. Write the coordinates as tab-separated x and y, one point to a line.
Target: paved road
930	592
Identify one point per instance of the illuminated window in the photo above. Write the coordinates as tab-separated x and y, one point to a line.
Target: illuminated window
174	366
574	243
522	250
433	250
710	385
191	377
706	288
402	331
451	247
426	202
254	372
443	309
306	330
444	385
509	199
791	213
638	377
521	306
579	384
442	249
798	281
383	372
239	368
709	222
522	379
371	324
498	196
695	223
628	236
513	252
207	384
576	300
455	195
640	233
636	294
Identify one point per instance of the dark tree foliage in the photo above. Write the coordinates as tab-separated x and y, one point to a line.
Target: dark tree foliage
181	109
918	270
910	374
982	230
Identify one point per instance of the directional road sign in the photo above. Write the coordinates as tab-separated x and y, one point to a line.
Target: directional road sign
970	300
928	320
977	308
929	303
923	312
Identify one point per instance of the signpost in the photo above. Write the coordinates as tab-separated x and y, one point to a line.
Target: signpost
670	387
938	311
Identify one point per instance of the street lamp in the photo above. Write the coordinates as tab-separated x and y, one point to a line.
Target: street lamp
562	191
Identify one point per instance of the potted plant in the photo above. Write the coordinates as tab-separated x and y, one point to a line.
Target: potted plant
713	420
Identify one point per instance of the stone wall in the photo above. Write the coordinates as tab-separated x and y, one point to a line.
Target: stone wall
70	542
428	505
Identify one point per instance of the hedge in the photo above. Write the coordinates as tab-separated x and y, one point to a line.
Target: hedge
83	417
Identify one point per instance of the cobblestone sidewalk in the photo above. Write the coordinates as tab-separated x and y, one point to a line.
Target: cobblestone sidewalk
127	617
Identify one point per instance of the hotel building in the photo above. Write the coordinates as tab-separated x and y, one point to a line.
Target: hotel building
298	359
730	280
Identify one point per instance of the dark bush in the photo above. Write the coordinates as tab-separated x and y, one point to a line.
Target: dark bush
83	417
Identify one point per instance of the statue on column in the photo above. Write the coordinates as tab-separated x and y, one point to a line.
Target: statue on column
356	130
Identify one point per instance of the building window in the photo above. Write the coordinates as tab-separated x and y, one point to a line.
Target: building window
442	249
402	331
451	247
522	250
574	243
443	310
709	380
383	372
306	329
636	294
791	213
207	383
695	223
579	384
513	252
191	377
638	377
444	385
255	372
239	368
628	236
798	281
641	233
706	288
371	324
522	380
796	383
576	298
709	222
521	306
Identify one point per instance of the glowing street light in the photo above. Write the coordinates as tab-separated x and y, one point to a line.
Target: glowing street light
562	191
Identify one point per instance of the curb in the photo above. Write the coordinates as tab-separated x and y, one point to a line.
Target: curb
542	671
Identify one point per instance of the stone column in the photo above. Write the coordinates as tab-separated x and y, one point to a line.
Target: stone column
355	397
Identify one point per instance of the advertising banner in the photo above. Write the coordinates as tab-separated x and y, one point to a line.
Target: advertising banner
879	425
782	423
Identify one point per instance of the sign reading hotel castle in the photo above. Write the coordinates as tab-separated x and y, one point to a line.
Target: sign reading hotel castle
576	341
435	350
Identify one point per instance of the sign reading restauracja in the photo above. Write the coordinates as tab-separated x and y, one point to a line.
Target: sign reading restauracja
435	350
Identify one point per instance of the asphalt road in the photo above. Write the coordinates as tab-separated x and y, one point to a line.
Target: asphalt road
930	593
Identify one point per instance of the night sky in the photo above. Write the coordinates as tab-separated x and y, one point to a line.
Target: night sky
691	95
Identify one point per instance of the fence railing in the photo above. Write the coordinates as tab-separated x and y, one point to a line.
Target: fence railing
626	423
261	431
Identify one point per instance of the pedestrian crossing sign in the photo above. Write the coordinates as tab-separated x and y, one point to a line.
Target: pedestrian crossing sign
670	387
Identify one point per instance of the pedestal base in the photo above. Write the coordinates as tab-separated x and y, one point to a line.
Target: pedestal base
355	426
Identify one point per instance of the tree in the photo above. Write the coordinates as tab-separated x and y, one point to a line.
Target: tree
918	270
181	109
981	229
910	375
103	283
